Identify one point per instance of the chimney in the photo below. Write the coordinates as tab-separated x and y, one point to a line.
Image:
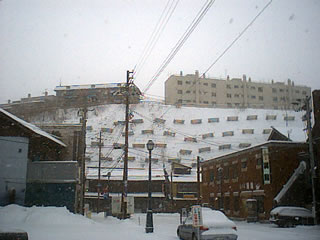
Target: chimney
272	82
29	95
46	93
181	73
292	83
9	101
289	82
197	73
204	75
228	77
244	77
249	79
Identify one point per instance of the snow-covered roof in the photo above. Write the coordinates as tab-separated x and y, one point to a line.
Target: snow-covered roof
178	137
217	137
88	86
32	127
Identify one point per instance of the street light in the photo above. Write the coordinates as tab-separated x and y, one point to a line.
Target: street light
220	172
149	223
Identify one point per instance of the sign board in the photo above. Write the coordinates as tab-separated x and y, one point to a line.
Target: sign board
196	216
116	205
130	205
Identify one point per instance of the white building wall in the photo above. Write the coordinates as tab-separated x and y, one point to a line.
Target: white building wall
13	168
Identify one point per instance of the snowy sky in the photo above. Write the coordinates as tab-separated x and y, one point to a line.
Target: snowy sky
45	42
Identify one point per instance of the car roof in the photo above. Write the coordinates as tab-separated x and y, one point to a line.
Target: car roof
292	211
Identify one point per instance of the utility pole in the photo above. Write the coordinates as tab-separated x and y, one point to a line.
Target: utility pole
82	158
99	173
125	160
312	164
198	179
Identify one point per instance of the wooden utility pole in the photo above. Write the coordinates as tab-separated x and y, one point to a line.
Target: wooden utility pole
311	155
198	179
125	160
99	173
82	158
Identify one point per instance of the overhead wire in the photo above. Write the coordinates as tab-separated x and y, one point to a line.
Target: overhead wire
155	36
180	43
238	37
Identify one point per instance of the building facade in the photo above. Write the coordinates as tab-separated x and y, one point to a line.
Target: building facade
256	174
193	90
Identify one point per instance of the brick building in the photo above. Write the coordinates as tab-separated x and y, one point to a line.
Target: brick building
256	173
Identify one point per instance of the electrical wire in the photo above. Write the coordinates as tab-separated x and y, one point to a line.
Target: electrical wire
180	43
155	36
238	37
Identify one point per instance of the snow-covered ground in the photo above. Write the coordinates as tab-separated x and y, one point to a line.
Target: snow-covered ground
52	223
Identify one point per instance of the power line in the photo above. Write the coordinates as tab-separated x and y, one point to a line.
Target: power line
155	36
180	43
238	37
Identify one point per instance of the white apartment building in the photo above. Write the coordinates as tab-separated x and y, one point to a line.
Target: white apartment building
193	90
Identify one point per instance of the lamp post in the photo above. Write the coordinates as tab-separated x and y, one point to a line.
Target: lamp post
149	222
220	172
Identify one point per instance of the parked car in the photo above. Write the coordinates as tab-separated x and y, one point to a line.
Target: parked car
215	225
291	216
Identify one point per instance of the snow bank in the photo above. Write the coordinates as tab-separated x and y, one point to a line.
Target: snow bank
17	215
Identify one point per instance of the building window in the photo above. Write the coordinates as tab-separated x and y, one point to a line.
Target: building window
274	90
226	172
179	91
236	205
244	163
261	98
188	82
179	100
228	95
253	88
179	82
211	176
205	84
281	90
275	99
304	92
234	172
228	86
213	85
213	103
213	94
260	89
253	97
236	95
205	102
229	105
283	99
227	203
297	91
188	91
236	86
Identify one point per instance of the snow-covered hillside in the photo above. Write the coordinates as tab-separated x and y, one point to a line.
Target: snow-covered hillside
190	132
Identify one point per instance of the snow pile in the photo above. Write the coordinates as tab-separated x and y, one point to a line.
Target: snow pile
17	215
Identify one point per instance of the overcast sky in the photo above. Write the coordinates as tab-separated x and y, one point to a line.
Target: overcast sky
45	42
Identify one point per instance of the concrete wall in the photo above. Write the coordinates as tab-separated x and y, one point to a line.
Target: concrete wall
13	169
